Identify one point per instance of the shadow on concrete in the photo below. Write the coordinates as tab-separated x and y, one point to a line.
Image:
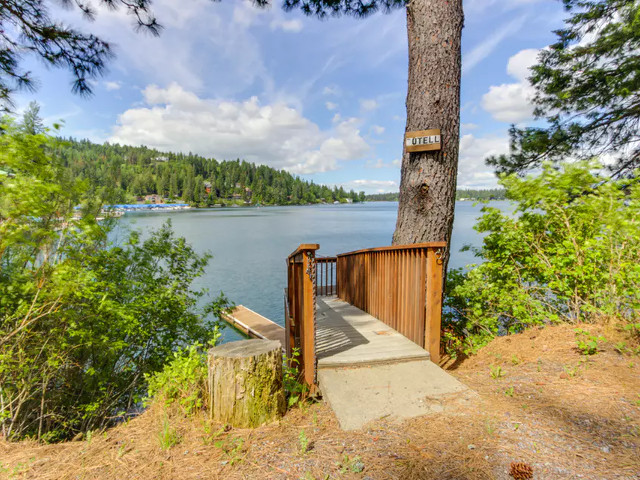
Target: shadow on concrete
334	334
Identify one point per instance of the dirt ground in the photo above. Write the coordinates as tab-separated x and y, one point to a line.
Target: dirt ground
540	402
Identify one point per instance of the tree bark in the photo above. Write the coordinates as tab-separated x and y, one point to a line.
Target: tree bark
428	179
245	383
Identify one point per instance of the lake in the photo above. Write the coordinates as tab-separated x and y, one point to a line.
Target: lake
250	245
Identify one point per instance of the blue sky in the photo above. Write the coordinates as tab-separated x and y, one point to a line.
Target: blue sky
322	99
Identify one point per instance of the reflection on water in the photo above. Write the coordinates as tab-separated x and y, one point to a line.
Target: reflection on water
250	245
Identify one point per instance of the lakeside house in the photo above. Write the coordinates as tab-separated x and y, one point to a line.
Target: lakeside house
153	199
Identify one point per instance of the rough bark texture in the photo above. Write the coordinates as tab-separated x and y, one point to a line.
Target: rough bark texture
428	181
245	383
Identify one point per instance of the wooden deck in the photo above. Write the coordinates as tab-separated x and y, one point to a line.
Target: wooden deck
254	325
348	336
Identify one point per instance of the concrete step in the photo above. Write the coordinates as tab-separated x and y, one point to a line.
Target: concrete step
361	394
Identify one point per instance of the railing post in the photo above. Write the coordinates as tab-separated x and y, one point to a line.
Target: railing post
301	295
433	318
308	327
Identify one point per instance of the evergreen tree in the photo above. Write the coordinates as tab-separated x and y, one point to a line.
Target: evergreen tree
173	187
188	188
27	27
198	190
31	122
588	89
428	179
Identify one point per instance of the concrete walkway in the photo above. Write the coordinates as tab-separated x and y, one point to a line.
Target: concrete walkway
368	371
348	336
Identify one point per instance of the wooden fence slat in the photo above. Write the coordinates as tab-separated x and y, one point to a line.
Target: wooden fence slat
401	286
433	322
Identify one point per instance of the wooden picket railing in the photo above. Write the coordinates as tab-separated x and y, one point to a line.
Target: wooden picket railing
300	310
399	285
326	273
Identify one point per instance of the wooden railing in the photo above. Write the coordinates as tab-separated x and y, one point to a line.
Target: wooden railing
300	308
399	285
326	276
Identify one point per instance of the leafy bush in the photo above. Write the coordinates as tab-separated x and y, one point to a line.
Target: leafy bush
569	253
295	389
82	320
586	343
183	379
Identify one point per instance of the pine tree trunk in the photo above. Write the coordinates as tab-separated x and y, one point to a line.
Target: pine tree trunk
428	179
245	383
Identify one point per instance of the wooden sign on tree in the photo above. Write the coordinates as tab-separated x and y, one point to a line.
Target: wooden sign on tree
422	140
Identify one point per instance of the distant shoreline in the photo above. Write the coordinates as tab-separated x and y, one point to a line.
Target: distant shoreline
461	195
151	208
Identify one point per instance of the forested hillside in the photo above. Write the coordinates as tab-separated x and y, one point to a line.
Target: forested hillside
131	173
481	194
461	194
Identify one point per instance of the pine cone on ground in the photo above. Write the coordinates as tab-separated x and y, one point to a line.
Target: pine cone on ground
521	471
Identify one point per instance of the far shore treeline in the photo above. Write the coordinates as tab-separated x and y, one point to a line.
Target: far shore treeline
461	194
131	174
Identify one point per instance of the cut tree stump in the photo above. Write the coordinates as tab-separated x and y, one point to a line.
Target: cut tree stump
245	383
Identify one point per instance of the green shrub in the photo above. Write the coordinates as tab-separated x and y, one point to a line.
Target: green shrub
82	320
570	252
295	389
184	379
586	343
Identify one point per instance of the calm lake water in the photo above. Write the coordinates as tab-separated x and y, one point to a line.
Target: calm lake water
250	245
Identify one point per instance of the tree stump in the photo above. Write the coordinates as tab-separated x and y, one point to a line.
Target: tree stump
245	383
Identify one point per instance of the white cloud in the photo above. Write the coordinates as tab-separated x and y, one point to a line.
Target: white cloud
275	134
465	127
485	48
368	105
519	64
511	102
379	163
478	6
472	171
331	105
244	15
110	86
377	129
331	90
203	47
293	26
371	186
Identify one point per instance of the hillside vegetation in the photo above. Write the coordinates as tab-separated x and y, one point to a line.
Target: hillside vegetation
461	194
127	173
83	321
540	401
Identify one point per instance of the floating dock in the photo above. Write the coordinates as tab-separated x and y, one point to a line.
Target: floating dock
253	324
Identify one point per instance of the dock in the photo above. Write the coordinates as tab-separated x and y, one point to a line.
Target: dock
254	325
